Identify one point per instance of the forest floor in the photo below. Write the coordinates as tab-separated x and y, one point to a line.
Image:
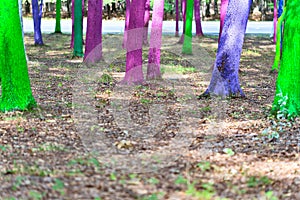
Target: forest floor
93	138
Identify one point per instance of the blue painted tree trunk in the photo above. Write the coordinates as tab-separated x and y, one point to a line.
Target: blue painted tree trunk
225	78
37	12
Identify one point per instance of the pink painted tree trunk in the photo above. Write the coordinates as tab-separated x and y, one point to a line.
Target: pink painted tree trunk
72	36
183	6
199	31
224	4
177	18
126	23
275	21
153	70
146	22
93	48
134	59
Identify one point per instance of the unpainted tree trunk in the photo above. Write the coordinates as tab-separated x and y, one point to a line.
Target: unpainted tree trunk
274	21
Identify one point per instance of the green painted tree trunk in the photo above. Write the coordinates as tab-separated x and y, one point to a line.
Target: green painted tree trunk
187	42
287	98
78	35
58	16
16	92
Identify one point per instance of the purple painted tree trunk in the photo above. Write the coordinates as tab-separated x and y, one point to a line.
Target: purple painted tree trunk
177	18
126	23
275	21
93	47
183	6
37	12
153	70
225	78
199	31
224	4
146	22
134	59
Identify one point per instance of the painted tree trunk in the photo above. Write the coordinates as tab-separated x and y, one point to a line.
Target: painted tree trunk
16	92
224	4
275	21
78	35
199	31
177	18
58	16
146	22
187	43
93	47
225	78
153	69
126	23
278	41
134	60
183	7
37	13
287	99
72	36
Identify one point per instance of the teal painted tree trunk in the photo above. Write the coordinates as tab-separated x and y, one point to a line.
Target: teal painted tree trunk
58	16
16	92
287	98
187	41
78	34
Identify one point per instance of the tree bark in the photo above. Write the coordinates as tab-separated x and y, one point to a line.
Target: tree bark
16	92
199	31
177	18
134	60
275	21
72	36
187	43
183	8
225	78
78	35
58	16
153	69
37	12
287	99
146	22
93	47
224	4
126	23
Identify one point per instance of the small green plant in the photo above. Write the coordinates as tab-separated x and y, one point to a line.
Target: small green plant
3	148
204	166
113	176
254	181
228	151
59	186
35	195
181	180
270	195
17	183
153	181
106	78
145	101
206	193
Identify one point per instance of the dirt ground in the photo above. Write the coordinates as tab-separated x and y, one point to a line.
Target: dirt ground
93	138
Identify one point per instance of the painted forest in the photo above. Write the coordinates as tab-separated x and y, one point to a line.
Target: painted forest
146	114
